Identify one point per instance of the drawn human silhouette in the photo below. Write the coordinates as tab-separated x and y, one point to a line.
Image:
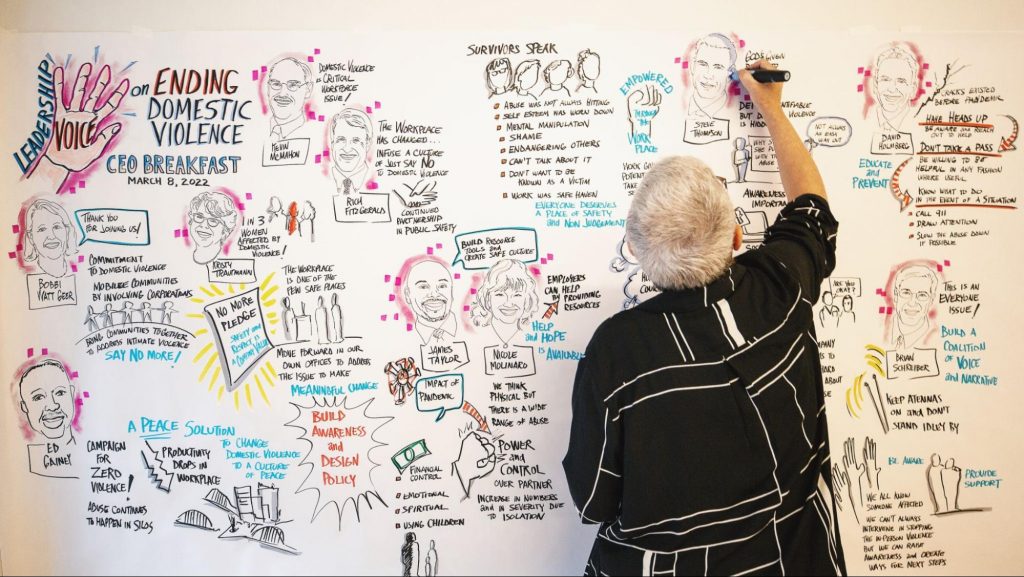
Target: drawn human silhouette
829	313
167	313
430	562
92	319
337	319
128	313
275	210
107	316
320	316
740	159
527	76
556	75
410	556
292	218
944	485
498	76
147	312
288	319
588	69
306	219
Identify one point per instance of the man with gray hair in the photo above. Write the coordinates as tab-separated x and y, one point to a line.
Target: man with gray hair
289	87
351	137
698	439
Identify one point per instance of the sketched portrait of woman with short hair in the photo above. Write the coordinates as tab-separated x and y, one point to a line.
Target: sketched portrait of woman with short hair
50	238
212	216
507	300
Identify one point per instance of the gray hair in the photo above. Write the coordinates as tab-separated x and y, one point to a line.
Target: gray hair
307	74
356	119
681	224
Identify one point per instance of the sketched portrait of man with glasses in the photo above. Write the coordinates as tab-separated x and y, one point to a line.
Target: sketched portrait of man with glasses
914	293
289	86
212	217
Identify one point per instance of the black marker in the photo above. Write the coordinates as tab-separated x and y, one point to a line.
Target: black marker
764	75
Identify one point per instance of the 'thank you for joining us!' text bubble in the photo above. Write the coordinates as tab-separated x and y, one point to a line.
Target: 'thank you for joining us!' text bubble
441	393
481	249
120	226
829	131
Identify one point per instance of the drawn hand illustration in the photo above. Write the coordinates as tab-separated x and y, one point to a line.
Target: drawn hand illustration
423	193
854	471
872	469
643	105
477	459
81	131
841	480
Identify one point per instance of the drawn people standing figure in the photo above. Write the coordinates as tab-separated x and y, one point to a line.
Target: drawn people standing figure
741	159
556	75
167	313
147	312
527	76
829	313
351	136
128	313
288	318
337	319
498	76
322	328
275	210
212	217
292	219
410	556
914	291
107	316
588	69
848	308
507	300
944	485
430	561
49	237
894	83
90	320
289	87
48	403
306	218
712	63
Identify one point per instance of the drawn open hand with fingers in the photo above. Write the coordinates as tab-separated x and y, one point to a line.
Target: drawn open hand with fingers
854	470
643	105
423	194
477	459
871	462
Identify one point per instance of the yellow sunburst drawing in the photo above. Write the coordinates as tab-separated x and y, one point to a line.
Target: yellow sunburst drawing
263	374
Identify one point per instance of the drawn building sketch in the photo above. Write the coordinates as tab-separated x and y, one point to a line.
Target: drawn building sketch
428	292
498	76
47	403
588	69
895	83
212	217
526	78
914	293
556	75
351	147
255	515
711	65
506	301
50	238
84	126
289	87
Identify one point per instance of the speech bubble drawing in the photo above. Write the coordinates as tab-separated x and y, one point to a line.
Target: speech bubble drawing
341	440
120	226
845	286
830	131
441	393
481	249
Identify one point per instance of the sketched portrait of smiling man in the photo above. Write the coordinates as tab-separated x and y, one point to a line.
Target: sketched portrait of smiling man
713	61
350	138
289	87
428	292
48	400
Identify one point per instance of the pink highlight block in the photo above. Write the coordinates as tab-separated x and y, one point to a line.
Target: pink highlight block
438	246
177	233
678	60
326	153
928	84
316	159
939	267
184	232
746	97
241	206
881	310
19	248
74	267
860	70
311	115
945	262
880	292
398	281
867	73
372	185
81	184
30	352
81	258
263	69
46	351
430	250
408	328
255	74
12	255
888	310
743	43
369	110
396	316
74	375
551	256
535	270
15	229
686	64
465	308
248	196
391	298
458	276
387	278
472	291
543	261
85	393
383	318
926	66
72	191
860	88
309	59
316	51
320	118
376	104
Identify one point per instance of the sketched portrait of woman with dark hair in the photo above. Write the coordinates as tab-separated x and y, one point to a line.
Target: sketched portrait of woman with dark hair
498	77
507	300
